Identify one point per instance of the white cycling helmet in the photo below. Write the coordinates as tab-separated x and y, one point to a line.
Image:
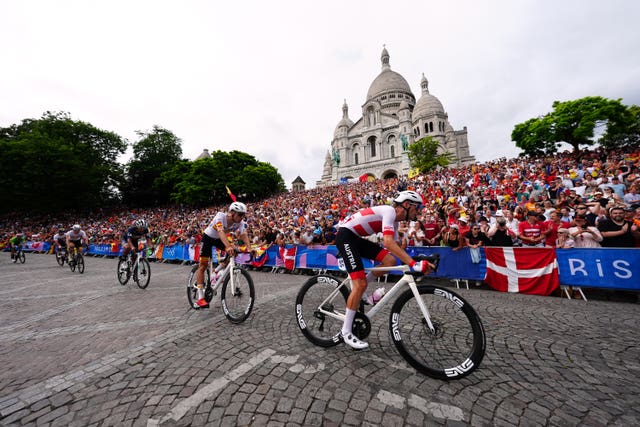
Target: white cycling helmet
412	196
76	227
238	207
140	223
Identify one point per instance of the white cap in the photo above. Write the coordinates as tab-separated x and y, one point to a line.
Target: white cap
499	213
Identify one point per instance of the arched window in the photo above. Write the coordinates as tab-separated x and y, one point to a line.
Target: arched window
392	151
426	128
355	158
372	144
431	126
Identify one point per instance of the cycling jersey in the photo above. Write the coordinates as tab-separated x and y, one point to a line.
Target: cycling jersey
219	223
76	236
370	221
17	240
134	234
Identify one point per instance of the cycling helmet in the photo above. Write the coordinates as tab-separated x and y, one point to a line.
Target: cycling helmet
412	196
238	207
76	227
140	223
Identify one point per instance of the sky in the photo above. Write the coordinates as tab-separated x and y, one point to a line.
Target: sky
269	78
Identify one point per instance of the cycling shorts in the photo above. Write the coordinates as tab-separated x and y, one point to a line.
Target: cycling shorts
353	248
208	243
76	243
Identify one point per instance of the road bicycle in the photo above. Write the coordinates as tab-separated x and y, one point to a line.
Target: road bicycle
18	254
434	329
237	293
61	255
137	266
76	260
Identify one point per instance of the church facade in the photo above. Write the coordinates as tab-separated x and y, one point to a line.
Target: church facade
375	146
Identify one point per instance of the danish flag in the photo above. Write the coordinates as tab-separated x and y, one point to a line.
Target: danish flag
288	256
525	270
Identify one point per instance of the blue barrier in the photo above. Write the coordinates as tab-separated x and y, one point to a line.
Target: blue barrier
601	268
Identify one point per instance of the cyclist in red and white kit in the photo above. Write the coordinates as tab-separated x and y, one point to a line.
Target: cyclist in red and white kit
352	244
216	235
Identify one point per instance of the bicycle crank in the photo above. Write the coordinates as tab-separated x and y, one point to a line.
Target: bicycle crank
361	326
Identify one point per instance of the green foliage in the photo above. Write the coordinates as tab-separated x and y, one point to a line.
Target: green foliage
575	123
627	139
155	152
202	182
424	155
55	163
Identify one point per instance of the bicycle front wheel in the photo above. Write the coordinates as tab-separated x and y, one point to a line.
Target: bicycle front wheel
72	263
21	257
237	298
60	258
142	276
80	262
319	319
456	346
123	272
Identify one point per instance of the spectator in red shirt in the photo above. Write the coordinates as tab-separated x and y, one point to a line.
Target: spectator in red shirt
530	231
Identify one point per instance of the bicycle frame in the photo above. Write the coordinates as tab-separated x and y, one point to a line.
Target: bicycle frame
406	279
231	263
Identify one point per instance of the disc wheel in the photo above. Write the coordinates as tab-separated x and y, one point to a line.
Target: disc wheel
316	322
237	298
453	349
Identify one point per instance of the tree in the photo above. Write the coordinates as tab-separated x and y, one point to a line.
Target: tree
55	163
627	140
154	152
423	155
203	182
573	122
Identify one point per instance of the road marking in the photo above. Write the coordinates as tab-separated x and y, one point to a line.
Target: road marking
437	410
204	393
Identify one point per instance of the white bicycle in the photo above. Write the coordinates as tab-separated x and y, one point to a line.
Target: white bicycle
434	329
237	294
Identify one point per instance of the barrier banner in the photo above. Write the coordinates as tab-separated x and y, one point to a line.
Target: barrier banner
601	268
453	264
175	252
103	249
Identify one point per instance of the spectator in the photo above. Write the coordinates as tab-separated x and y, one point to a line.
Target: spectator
530	231
616	231
585	235
565	241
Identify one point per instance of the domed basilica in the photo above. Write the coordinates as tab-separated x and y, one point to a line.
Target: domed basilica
375	146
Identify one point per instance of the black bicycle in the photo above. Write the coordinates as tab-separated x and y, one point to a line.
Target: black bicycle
18	254
61	256
76	260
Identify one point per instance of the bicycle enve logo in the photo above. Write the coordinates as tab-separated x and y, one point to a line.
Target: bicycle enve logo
460	369
331	281
449	296
394	326
299	316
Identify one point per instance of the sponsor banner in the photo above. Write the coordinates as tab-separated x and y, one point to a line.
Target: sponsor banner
104	249
600	268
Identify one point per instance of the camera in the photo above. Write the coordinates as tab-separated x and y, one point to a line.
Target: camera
584	226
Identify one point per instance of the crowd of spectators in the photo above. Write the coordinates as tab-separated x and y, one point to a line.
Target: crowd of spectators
475	205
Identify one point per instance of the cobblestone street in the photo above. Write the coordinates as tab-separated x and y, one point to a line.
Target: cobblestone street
80	349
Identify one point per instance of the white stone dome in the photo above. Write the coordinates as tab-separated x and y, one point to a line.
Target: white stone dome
388	81
428	104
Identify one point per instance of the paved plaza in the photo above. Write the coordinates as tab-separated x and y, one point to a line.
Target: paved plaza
81	350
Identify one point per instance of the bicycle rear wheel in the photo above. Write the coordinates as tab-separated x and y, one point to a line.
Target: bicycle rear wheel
237	300
80	263
123	272
72	263
192	290
458	344
320	328
142	275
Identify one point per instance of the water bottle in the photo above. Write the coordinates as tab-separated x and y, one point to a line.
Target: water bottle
216	273
376	296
